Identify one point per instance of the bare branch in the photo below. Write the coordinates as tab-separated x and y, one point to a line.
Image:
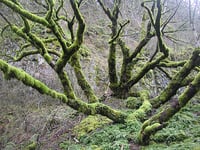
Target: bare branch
106	10
8	22
170	18
41	4
165	72
119	31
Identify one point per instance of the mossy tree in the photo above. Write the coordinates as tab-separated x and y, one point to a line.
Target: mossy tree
121	85
68	53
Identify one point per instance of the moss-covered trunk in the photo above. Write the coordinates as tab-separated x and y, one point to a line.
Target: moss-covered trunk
112	58
85	86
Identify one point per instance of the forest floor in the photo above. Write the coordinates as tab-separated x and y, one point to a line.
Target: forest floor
27	121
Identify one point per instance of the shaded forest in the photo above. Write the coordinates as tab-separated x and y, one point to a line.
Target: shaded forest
104	74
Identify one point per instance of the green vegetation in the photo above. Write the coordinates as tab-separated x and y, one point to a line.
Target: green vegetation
182	133
90	124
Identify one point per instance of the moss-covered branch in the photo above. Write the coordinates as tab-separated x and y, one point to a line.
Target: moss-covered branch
85	86
148	66
81	28
157	26
37	42
26	53
158	18
177	80
59	9
49	40
68	90
119	31
90	109
13	72
50	11
113	16
143	42
63	57
112	66
129	60
40	45
34	40
142	111
171	64
74	47
149	13
18	9
167	21
158	121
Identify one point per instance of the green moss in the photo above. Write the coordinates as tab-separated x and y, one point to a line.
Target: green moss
182	133
151	128
6	70
143	109
176	82
170	135
84	51
19	32
29	80
70	145
68	90
47	57
90	124
43	89
114	86
31	146
110	138
133	102
85	86
13	72
20	73
25	13
70	94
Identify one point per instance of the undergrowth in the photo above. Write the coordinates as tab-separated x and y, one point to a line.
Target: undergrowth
182	133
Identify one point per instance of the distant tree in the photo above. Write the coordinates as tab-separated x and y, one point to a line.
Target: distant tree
59	48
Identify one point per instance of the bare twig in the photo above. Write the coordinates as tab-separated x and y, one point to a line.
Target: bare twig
119	31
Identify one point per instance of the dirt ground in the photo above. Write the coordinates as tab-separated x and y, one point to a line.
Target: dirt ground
33	117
